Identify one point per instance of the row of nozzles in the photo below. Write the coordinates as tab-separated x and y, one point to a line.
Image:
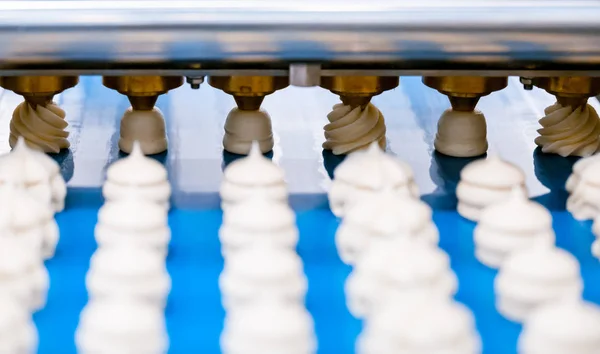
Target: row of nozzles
249	92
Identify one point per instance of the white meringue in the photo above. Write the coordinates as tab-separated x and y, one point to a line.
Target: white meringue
584	201
22	274
17	330
133	222
596	243
121	325
565	327
534	277
252	175
137	176
569	131
43	127
578	168
511	225
28	219
383	216
484	182
400	270
417	327
262	273
128	272
269	328
366	172
146	127
243	127
461	134
258	221
352	129
36	172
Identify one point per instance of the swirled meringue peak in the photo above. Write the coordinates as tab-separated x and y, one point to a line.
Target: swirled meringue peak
569	131
250	175
353	129
43	127
137	176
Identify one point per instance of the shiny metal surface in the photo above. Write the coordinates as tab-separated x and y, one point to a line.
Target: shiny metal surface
528	33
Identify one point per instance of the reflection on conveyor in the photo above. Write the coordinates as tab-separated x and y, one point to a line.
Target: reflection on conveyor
552	171
445	173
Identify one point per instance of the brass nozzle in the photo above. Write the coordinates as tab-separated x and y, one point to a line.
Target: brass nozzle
142	91
465	91
142	103
248	91
570	90
142	85
358	90
38	89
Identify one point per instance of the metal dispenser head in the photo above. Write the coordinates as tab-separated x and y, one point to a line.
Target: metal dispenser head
142	91
358	90
465	91
38	89
249	91
570	90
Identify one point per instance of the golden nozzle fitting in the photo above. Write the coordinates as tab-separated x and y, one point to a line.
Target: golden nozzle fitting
248	91
358	90
142	91
465	91
570	90
38	89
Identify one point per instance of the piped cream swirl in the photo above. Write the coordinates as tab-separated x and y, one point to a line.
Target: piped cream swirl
352	129
42	127
569	132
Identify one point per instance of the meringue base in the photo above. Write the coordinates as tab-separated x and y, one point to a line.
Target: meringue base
146	127
369	343
243	127
352	241
30	289
596	249
493	247
156	240
159	193
153	290
580	206
461	134
490	258
565	327
469	211
50	239
473	199
342	195
22	339
513	310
